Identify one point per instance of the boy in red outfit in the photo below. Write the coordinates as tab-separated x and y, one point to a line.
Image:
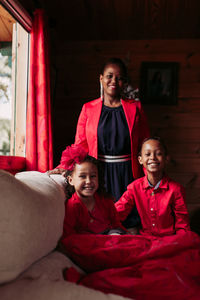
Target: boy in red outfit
160	201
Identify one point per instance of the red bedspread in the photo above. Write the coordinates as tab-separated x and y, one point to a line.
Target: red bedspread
138	267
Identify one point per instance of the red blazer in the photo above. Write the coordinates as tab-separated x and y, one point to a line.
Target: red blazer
86	132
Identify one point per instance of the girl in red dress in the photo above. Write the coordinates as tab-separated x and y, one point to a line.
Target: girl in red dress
160	201
87	209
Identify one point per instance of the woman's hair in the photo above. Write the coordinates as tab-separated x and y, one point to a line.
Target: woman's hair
155	138
119	63
69	189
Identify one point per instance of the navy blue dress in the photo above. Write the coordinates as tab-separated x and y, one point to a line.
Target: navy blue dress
114	140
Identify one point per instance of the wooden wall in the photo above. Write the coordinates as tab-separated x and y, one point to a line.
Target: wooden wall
75	80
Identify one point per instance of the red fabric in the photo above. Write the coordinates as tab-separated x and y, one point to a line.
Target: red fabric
79	220
162	211
138	267
12	164
72	155
39	154
86	133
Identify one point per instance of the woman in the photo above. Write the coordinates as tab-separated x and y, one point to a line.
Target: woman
112	129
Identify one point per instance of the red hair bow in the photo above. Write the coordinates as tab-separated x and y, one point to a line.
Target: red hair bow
72	155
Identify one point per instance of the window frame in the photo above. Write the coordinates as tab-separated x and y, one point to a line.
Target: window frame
18	13
20	75
20	56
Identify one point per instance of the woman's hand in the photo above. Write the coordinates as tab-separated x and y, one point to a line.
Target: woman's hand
57	171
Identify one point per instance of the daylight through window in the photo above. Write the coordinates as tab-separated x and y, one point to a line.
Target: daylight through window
14	59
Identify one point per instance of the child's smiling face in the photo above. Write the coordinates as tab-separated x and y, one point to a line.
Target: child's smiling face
84	178
153	157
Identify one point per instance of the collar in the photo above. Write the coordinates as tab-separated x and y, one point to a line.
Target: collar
76	196
162	184
156	186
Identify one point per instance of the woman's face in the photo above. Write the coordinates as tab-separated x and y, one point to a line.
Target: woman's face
112	80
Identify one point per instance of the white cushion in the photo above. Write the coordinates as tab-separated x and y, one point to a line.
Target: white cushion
50	267
46	289
44	280
31	220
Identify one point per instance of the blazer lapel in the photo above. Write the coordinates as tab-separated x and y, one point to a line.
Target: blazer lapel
95	114
130	113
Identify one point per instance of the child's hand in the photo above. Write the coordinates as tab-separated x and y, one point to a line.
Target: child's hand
133	231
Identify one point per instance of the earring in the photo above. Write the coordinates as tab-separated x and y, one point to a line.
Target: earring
101	91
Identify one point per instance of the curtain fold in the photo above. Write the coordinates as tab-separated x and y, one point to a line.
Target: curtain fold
39	153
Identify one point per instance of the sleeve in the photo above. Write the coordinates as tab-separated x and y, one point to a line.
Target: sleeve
180	211
125	204
80	137
144	133
113	215
144	128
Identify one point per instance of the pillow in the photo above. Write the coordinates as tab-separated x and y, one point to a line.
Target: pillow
31	220
46	289
44	280
49	267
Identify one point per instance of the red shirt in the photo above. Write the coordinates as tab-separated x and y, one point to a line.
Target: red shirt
162	211
79	220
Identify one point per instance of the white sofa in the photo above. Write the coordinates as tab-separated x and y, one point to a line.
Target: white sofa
31	220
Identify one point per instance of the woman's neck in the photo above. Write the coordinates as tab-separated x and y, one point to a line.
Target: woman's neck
112	102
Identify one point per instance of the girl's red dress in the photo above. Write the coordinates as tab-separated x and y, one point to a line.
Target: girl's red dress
79	220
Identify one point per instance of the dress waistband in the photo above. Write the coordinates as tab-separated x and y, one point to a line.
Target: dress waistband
114	158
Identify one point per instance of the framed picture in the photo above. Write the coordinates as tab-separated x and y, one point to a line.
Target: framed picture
158	84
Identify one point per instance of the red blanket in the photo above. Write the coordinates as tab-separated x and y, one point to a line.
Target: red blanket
137	267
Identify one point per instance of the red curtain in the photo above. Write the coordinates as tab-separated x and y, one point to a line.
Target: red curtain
39	153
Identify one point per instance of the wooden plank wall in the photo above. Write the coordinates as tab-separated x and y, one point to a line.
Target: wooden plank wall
77	81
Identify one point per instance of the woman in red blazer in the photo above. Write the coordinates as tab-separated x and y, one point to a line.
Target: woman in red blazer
112	129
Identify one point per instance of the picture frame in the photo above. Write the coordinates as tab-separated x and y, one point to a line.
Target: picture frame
159	83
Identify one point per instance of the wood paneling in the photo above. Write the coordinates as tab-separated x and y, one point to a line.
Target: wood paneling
120	20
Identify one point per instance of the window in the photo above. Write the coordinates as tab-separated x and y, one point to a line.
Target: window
5	96
14	59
